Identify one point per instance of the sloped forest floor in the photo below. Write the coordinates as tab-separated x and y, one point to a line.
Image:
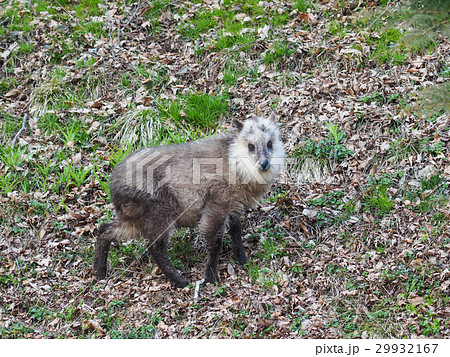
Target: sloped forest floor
353	239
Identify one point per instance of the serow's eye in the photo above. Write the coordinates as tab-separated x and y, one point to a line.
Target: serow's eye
251	147
269	145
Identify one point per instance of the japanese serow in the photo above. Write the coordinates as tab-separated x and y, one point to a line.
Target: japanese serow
207	183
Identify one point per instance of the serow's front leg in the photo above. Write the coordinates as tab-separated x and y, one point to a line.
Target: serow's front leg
213	230
235	231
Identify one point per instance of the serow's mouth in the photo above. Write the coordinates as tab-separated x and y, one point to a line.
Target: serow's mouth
265	165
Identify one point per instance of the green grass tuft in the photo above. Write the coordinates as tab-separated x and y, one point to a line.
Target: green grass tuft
203	110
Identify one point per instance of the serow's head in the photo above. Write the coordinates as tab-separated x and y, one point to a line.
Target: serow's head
258	148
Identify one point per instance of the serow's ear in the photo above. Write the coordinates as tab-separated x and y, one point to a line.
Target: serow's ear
272	117
237	124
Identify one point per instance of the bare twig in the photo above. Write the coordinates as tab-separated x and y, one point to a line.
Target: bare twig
238	48
118	33
197	288
137	8
24	123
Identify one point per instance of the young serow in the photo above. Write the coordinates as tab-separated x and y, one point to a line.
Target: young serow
207	183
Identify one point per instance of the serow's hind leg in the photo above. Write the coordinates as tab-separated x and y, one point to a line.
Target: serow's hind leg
158	251
235	231
101	250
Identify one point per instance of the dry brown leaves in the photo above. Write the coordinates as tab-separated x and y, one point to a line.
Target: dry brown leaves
325	271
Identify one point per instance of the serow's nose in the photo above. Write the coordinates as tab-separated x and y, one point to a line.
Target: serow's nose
265	164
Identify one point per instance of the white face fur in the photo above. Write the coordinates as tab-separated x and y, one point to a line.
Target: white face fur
258	150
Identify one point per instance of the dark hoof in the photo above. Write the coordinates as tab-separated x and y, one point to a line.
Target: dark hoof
240	258
211	277
180	283
99	270
103	227
100	275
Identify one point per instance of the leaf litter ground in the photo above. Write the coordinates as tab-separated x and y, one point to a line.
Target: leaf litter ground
352	241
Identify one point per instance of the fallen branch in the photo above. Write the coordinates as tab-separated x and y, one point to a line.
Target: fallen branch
197	288
24	123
